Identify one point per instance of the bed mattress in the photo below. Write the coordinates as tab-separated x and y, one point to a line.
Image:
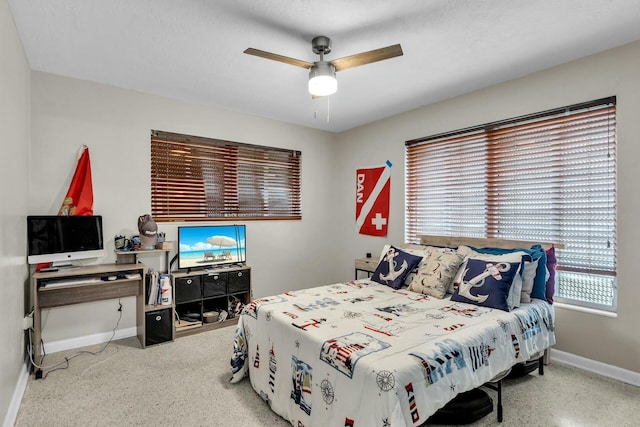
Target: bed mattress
361	353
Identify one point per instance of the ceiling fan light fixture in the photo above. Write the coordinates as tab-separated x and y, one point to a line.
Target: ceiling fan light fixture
322	79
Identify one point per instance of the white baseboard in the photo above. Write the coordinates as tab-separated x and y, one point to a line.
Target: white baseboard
54	347
609	371
14	406
68	344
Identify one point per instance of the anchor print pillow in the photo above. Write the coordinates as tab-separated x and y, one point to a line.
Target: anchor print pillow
394	266
487	283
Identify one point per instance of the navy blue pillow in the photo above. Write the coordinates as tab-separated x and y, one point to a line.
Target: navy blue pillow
394	266
537	252
486	283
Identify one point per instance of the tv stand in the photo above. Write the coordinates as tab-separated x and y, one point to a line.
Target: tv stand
200	294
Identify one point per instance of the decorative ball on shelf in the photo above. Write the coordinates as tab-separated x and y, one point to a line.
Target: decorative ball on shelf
148	230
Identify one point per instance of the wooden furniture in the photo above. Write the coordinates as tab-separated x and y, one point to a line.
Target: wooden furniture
158	319
131	257
78	285
199	292
481	242
366	265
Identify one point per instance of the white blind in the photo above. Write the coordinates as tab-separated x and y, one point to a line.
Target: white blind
546	177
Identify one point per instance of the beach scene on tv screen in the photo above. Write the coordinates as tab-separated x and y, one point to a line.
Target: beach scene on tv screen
210	245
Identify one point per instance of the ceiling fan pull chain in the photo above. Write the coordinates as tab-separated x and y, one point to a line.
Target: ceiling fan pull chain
328	110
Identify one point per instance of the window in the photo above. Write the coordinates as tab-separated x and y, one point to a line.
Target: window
203	179
546	177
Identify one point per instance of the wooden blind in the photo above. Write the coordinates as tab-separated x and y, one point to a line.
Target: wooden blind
203	179
545	177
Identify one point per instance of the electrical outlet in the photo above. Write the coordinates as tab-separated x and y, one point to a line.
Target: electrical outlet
27	323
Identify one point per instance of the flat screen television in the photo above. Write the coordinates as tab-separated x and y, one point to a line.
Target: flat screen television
204	246
62	239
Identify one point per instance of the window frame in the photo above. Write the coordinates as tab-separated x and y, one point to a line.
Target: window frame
195	179
493	201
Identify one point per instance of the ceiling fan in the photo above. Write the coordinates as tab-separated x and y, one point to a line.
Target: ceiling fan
322	74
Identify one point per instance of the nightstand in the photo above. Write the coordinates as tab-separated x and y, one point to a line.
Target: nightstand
366	265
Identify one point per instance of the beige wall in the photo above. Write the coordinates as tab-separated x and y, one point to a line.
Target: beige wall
45	118
14	175
615	72
115	124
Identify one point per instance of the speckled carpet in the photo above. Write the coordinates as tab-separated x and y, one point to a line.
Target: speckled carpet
186	383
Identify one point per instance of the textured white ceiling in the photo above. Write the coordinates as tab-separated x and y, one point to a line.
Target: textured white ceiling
192	50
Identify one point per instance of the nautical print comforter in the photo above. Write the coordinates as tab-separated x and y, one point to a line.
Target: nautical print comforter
363	354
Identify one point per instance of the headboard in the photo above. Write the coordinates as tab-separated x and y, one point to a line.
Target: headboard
481	242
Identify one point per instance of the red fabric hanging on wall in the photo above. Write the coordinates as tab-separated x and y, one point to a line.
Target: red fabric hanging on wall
79	199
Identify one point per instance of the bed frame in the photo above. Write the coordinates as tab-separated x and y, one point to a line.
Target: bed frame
441	241
481	242
452	242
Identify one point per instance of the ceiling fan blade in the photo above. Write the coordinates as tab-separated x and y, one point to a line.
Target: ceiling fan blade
367	57
279	58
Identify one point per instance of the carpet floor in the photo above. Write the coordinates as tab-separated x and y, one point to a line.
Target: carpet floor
186	383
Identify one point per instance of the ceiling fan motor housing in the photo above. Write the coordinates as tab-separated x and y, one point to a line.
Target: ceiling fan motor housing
321	45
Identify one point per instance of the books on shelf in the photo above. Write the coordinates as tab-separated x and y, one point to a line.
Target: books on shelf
153	288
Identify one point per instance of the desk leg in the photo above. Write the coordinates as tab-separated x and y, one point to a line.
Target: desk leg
37	338
369	273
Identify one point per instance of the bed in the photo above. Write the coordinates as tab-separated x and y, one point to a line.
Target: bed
368	353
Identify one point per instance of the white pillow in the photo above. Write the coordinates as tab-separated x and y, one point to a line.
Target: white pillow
446	263
529	274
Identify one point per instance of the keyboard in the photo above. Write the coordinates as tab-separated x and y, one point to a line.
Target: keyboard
71	281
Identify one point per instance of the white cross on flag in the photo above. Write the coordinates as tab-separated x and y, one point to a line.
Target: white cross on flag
372	199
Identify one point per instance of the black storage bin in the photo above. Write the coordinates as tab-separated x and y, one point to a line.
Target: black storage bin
465	408
188	289
158	326
215	284
239	281
524	368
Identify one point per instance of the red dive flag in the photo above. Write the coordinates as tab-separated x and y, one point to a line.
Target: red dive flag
79	200
372	200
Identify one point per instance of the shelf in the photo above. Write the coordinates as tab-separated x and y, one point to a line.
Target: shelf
131	257
140	251
188	301
183	325
151	307
87	292
197	327
89	270
190	295
215	297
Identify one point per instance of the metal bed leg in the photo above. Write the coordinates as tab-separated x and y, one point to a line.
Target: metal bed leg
497	387
500	401
541	365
